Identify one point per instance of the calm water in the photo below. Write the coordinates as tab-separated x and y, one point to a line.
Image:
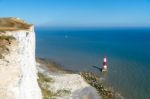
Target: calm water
128	52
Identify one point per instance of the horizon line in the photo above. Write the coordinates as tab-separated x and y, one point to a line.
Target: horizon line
91	27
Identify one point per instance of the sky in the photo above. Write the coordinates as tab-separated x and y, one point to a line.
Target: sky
79	13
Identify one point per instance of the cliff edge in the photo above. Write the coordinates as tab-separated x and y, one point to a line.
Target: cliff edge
18	73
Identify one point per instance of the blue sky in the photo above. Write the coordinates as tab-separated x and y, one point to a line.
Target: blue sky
79	13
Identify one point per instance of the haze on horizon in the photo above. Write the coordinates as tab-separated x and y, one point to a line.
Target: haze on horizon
79	13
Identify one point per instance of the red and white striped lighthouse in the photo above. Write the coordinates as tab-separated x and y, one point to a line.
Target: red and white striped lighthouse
104	63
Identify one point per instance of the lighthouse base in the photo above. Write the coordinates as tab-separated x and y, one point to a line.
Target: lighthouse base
104	70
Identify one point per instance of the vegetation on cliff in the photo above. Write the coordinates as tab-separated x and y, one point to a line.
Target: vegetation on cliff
44	83
12	24
5	41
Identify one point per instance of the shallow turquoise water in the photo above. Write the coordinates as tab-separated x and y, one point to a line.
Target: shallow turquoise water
128	52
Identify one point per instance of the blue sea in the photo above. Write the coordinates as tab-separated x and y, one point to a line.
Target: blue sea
127	51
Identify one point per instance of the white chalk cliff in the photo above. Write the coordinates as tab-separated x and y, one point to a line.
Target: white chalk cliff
18	73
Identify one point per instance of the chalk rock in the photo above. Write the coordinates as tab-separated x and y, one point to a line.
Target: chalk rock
18	73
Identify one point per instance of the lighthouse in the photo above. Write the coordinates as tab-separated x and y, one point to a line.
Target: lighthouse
104	68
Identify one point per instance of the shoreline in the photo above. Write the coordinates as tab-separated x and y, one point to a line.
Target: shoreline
90	78
53	66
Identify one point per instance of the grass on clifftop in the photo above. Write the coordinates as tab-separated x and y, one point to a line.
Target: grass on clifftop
44	83
12	24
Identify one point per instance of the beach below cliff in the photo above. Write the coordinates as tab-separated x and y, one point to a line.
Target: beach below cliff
58	83
63	84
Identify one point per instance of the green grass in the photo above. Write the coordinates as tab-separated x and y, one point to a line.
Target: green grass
44	83
63	92
44	78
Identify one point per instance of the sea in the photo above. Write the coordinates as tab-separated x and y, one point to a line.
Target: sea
80	49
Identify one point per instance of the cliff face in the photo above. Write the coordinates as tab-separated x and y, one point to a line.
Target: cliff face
18	73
